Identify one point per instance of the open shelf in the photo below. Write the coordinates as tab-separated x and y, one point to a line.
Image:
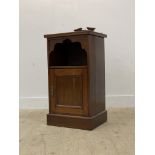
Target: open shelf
68	54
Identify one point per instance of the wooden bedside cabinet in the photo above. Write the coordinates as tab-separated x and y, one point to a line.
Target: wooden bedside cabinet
76	79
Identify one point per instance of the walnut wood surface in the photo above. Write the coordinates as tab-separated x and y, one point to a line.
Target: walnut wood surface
77	90
69	91
68	34
86	123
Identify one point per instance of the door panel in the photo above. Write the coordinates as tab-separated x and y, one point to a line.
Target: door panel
69	91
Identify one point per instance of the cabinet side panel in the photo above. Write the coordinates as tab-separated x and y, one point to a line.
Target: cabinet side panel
96	75
100	74
92	77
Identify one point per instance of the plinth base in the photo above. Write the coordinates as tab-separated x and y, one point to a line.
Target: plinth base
79	122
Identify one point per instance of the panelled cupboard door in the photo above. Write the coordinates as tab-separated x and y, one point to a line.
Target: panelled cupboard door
68	91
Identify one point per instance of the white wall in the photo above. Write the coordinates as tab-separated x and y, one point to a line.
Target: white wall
112	17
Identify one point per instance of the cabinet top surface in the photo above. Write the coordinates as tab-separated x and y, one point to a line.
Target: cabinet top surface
77	33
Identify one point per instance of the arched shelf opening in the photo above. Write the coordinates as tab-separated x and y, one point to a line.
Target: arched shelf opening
68	53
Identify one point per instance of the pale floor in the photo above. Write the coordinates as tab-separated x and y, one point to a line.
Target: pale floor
116	137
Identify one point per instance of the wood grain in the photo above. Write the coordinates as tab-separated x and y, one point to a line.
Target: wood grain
70	91
76	74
